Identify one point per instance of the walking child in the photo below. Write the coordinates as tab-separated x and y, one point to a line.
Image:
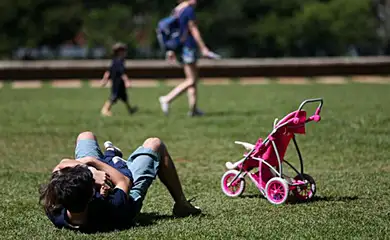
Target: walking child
120	81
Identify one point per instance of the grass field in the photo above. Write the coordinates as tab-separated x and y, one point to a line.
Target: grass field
347	154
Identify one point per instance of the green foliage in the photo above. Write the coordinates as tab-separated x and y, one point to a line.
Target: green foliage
244	28
105	26
334	26
38	22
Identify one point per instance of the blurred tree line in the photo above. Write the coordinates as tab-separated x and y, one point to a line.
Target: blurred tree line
234	28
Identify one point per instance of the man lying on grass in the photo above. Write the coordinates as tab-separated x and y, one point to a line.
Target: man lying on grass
71	201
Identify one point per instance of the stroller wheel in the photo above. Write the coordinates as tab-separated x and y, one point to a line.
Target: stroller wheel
232	189
276	190
304	192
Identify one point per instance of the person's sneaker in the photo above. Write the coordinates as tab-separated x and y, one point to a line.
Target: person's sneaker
133	110
118	159
109	146
196	113
164	105
185	210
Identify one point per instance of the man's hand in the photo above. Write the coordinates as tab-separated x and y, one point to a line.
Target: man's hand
104	190
116	177
100	177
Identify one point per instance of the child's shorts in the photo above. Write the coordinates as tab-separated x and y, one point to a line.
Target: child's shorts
143	164
120	94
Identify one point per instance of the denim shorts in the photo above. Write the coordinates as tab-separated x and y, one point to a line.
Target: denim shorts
143	164
187	55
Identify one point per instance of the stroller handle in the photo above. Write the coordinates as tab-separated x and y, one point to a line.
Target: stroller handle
311	101
316	117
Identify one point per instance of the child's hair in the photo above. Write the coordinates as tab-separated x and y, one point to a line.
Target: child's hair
70	187
117	47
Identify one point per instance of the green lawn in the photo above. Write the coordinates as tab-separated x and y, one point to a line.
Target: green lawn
347	154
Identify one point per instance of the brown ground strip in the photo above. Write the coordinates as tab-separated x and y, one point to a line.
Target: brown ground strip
371	79
27	84
96	83
68	83
331	80
216	81
293	80
254	81
144	83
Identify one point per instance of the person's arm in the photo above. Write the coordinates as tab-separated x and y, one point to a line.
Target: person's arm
193	28
100	176
67	163
117	178
105	78
126	80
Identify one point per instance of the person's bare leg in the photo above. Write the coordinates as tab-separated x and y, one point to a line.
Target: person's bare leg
190	74
169	177
106	109
167	170
86	136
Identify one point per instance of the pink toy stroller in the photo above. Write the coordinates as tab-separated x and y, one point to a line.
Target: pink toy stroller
264	162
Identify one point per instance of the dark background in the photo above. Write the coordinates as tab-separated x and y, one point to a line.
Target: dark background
84	29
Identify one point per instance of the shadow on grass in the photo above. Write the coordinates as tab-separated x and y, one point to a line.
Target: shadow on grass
292	200
334	199
253	196
232	113
147	219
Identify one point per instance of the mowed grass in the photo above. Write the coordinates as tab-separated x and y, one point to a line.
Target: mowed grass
347	153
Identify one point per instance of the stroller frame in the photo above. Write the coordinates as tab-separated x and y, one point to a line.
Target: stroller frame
277	171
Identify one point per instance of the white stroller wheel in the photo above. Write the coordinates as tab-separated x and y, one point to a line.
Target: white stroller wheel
235	189
277	190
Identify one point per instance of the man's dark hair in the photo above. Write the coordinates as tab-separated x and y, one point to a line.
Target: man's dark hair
70	187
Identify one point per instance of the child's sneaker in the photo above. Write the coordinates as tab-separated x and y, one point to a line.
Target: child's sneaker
133	110
185	210
117	159
109	146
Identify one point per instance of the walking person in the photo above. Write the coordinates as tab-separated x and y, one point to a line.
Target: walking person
120	81
186	54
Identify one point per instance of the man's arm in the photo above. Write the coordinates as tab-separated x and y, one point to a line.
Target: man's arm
117	178
100	176
67	163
